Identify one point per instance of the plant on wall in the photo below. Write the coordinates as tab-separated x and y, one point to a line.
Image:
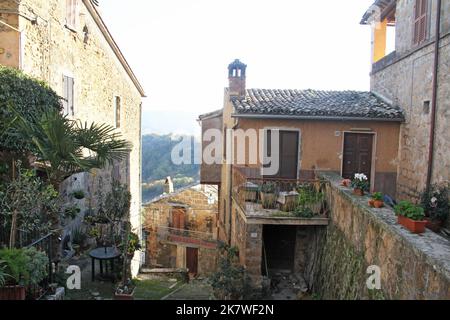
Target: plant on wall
27	203
30	97
435	202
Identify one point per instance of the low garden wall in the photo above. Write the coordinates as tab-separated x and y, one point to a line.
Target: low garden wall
412	266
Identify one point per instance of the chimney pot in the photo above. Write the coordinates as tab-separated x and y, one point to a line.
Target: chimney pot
236	78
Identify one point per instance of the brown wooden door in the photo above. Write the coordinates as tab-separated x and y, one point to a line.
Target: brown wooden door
288	150
178	218
357	156
192	260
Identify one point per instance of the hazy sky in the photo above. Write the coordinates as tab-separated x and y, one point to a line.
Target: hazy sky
180	50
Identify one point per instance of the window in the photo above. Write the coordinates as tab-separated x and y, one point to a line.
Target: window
68	95
71	14
420	21
117	105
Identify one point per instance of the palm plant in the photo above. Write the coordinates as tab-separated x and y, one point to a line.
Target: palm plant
68	146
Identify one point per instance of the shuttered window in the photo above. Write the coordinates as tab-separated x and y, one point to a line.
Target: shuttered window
71	13
68	95
117	107
420	21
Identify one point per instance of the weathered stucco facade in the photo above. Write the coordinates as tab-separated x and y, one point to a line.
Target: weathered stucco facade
179	222
406	77
40	42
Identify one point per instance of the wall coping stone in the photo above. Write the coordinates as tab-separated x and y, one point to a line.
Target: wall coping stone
434	248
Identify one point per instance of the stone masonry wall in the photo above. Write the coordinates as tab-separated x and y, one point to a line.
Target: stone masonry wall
200	217
48	50
412	266
408	83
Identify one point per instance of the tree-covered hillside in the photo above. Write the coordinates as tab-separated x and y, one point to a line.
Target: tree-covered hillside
157	165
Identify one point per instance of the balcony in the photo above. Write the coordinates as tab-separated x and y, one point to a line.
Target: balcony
184	236
264	200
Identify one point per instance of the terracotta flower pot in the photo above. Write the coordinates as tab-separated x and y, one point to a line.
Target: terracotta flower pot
12	293
378	203
412	225
358	192
124	296
268	200
370	202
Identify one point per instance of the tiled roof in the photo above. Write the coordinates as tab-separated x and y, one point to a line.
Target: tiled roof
316	104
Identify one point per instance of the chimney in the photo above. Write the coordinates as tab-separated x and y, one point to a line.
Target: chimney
236	78
168	185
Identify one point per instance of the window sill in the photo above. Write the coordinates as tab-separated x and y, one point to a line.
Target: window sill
73	29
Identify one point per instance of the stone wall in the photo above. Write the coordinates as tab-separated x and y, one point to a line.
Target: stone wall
408	83
412	266
47	49
200	217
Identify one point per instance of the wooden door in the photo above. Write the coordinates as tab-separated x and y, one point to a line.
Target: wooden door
178	218
357	157
288	152
192	260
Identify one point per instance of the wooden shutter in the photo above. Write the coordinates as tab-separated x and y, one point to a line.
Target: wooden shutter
65	97
420	21
70	89
117	106
71	13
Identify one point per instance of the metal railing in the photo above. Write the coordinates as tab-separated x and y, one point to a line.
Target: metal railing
249	186
165	232
44	244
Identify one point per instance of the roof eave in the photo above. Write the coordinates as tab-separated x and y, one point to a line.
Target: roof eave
324	118
104	30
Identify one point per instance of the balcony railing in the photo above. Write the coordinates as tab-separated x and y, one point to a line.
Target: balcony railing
273	197
184	236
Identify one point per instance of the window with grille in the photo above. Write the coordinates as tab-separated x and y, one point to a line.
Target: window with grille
420	21
68	96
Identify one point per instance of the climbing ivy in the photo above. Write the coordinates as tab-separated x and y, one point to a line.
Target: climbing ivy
30	97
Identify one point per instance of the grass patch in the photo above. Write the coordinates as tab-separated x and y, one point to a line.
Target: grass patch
154	289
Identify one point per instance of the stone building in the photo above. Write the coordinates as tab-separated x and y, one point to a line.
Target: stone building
67	44
180	228
415	76
346	132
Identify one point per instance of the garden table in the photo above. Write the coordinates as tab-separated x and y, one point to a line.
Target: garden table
104	254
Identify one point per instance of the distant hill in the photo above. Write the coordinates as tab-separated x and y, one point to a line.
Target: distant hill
157	165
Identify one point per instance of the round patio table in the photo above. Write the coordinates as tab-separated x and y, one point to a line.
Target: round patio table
104	254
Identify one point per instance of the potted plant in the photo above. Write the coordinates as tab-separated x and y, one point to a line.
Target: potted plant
346	183
78	194
268	195
359	184
435	202
310	198
377	198
410	216
14	265
125	290
251	191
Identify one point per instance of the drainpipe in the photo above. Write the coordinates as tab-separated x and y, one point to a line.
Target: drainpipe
434	97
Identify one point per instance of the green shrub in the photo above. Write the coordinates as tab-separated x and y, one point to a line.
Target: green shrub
37	266
30	97
409	210
24	266
16	262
